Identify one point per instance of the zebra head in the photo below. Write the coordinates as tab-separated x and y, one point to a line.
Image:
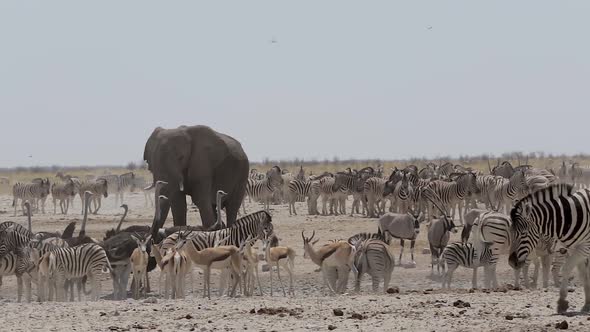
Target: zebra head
525	233
394	178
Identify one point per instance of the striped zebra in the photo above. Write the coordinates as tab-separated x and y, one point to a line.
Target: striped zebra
98	188
373	190
487	184
466	255
62	192
262	190
452	194
146	187
13	236
374	258
510	190
256	225
17	264
444	171
32	192
118	184
419	186
403	194
559	213
493	228
86	260
299	188
330	195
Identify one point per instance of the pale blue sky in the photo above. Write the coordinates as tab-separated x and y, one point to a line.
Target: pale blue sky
86	82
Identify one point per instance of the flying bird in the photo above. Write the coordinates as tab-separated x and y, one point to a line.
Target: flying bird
429	27
273	40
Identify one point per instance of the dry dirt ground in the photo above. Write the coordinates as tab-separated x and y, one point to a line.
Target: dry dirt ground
420	305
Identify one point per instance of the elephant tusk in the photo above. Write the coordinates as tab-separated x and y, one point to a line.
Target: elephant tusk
150	186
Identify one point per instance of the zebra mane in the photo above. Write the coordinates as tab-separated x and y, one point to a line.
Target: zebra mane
553	191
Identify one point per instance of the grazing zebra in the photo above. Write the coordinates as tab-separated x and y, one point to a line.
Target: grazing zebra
33	192
299	188
561	214
98	188
360	237
374	258
262	190
466	255
86	260
438	238
510	190
452	194
373	190
62	192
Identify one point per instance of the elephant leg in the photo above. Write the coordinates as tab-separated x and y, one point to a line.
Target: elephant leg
178	205
203	201
232	206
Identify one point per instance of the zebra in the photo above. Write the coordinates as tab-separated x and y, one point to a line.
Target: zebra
86	260
146	187
466	255
21	266
403	194
373	190
487	184
98	188
360	237
13	236
32	192
262	190
559	213
374	258
444	171
118	184
63	193
493	228
509	190
299	188
580	176
452	194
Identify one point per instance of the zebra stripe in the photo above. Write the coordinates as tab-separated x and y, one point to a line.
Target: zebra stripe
509	190
13	236
98	188
561	214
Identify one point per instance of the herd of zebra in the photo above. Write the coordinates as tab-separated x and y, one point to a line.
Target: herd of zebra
66	188
533	215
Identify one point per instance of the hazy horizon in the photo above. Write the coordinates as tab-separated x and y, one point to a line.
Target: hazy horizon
86	83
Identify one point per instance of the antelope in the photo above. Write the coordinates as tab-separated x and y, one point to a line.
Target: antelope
220	257
139	261
280	256
333	257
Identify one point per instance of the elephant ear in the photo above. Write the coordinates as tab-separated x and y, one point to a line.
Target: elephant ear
150	145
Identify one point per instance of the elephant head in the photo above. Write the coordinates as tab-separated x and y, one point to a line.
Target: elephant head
168	155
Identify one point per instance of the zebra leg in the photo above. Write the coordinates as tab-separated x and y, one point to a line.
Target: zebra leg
584	271
412	244
401	242
572	261
19	284
375	281
545	265
55	206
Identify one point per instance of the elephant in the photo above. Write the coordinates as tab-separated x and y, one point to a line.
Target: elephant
196	161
